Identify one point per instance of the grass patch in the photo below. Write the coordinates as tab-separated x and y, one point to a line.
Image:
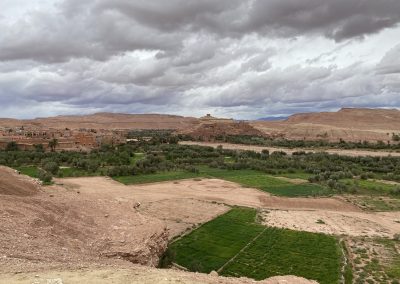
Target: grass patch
157	177
376	203
265	182
370	187
300	175
75	172
31	171
137	157
274	252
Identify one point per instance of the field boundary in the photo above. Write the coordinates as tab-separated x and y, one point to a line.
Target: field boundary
243	249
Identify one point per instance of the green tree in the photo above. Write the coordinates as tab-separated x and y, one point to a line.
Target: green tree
12	146
53	144
39	147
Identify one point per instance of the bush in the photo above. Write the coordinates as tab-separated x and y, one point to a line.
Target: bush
44	176
51	167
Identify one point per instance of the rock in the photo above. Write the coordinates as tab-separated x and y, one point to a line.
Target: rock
136	205
214	273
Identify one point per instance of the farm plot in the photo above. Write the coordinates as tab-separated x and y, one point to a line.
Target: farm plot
235	245
214	243
260	180
287	252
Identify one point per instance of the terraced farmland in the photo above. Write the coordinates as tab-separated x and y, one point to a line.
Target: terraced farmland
235	245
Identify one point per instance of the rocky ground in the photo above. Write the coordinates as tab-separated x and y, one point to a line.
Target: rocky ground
92	229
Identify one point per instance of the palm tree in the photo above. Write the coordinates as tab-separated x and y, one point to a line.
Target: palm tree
53	144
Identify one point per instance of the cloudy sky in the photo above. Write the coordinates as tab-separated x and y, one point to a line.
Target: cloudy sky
234	58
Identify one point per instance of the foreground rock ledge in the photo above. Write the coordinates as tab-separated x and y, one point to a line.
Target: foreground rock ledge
138	274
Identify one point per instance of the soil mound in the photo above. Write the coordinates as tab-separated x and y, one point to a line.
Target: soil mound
11	183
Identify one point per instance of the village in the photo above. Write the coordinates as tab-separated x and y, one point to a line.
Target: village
29	138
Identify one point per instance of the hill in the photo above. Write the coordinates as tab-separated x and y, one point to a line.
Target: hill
350	124
105	121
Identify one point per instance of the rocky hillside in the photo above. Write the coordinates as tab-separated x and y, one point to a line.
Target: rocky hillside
347	124
55	227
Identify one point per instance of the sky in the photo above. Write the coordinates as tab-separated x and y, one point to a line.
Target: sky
243	59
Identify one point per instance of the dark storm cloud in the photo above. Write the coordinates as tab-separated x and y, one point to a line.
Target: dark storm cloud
252	56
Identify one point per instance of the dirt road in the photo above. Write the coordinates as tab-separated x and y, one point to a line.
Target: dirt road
352	153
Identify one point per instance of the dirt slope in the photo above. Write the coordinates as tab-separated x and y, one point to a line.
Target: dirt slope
11	183
61	228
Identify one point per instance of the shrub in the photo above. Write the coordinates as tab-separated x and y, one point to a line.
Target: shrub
44	176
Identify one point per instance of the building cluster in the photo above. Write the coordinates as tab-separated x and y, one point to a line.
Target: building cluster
67	139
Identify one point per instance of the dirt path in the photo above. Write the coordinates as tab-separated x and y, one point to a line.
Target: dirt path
343	152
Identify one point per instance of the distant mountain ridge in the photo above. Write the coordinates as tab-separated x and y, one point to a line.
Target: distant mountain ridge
350	124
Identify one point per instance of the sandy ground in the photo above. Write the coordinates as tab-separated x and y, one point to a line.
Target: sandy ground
352	153
189	202
137	275
335	223
209	190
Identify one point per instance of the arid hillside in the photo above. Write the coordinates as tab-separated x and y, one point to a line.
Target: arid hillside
106	121
347	124
209	130
56	227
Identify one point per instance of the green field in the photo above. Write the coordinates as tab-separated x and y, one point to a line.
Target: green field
31	171
270	251
301	175
75	172
370	187
247	178
157	177
265	182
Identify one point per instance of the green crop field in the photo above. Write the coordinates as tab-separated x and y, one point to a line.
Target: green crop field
157	177
214	243
265	182
256	251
